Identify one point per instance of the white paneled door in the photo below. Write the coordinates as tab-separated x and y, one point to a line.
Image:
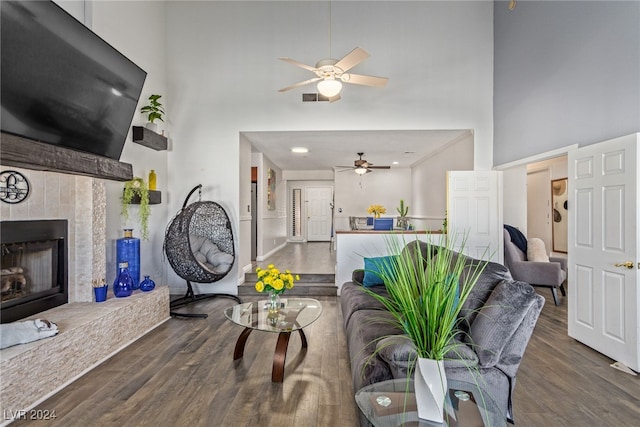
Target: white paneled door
319	200
603	248
474	209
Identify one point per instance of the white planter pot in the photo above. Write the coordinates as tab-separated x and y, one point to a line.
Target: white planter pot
152	126
431	388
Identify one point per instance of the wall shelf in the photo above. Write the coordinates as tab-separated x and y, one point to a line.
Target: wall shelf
155	198
149	138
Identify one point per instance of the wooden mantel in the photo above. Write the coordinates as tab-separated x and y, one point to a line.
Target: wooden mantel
26	153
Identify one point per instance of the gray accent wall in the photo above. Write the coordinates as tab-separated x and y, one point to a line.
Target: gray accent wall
565	72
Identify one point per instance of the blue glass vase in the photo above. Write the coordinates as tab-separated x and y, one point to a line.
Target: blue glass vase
128	250
147	284
123	285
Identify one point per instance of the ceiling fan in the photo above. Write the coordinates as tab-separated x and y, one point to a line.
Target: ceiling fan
331	73
361	166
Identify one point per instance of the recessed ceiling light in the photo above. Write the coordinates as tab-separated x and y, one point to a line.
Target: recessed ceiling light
299	150
395	163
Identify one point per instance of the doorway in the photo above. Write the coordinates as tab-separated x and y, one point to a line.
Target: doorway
309	211
540	198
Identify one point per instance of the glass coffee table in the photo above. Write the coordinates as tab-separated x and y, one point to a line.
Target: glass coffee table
392	403
294	315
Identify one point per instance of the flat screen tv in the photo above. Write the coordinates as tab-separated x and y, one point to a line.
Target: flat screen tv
61	83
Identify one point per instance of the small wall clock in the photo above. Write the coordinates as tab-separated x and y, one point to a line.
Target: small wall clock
14	187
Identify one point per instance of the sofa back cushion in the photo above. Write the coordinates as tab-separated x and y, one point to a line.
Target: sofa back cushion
492	274
499	319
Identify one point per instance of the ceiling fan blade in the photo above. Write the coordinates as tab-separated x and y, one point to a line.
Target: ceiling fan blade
379	167
360	79
293	86
334	98
298	64
352	59
348	167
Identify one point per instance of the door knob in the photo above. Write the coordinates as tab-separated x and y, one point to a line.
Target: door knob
628	264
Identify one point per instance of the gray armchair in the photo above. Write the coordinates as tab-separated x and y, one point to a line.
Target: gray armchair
550	274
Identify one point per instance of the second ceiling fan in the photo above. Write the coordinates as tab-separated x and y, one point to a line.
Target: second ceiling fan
331	73
361	166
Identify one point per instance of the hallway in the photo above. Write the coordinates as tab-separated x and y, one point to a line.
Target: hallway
314	262
303	258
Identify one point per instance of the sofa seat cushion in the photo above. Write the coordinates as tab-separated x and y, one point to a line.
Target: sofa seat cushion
353	298
365	328
499	319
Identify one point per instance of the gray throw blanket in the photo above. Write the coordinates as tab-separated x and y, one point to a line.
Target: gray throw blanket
517	237
23	332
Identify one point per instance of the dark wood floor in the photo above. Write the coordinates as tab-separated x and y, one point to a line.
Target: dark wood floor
182	374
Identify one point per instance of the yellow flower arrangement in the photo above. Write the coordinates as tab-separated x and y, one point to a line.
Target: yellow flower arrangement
376	210
271	279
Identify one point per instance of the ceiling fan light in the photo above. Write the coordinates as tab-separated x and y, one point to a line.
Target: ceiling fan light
329	87
360	171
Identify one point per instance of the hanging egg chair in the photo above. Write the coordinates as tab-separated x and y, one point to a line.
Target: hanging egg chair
198	244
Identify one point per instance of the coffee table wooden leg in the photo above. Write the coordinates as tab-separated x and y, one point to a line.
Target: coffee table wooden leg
303	338
242	340
277	374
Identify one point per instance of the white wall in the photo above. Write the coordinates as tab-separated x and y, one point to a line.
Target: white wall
515	197
355	193
429	182
223	76
137	30
243	251
272	224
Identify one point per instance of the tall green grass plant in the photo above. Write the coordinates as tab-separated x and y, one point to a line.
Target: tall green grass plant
426	293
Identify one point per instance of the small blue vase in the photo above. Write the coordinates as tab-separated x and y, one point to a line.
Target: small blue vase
147	284
123	285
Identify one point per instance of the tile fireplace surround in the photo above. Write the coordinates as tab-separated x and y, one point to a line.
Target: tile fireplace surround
89	332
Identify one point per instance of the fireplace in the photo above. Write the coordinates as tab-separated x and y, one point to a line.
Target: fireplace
34	274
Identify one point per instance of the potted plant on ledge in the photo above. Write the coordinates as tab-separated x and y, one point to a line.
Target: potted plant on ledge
425	299
136	191
154	111
403	210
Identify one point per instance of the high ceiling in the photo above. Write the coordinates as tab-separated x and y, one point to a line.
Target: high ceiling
328	149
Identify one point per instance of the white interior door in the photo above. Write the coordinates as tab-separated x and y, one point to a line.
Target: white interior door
319	201
474	207
603	236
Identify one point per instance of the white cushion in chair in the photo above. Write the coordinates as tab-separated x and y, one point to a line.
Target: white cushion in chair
536	251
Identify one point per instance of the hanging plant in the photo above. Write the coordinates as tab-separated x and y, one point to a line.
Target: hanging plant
137	189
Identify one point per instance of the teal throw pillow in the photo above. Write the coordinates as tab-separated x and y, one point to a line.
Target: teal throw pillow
373	267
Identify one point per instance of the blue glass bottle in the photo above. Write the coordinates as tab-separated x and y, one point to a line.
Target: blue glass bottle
123	285
147	284
128	249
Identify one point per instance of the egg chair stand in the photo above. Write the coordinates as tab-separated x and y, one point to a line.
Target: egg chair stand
198	244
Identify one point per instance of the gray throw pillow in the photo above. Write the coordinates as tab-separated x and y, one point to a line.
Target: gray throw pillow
499	318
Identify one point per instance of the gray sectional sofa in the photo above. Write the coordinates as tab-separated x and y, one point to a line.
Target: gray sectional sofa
497	321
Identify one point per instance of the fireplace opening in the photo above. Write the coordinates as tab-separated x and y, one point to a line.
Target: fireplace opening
33	267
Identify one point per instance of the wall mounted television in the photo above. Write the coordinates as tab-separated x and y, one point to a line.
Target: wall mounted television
61	83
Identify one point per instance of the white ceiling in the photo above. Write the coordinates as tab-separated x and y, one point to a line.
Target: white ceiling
328	149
